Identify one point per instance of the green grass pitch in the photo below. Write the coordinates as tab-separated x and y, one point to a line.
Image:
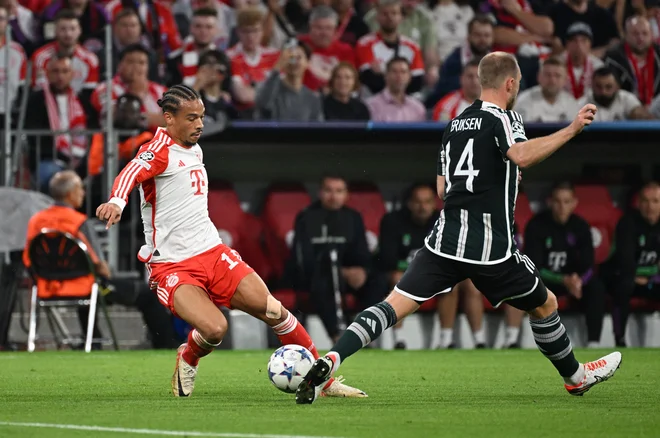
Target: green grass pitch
411	394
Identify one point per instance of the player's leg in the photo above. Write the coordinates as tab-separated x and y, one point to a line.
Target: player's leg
447	310
513	319
427	276
593	305
473	306
252	297
192	304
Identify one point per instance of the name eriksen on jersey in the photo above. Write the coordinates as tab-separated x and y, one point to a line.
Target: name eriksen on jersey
473	123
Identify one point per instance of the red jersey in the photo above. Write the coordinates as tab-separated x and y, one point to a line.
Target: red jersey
323	60
505	19
85	67
36	6
149	102
372	48
169	32
14	74
187	65
450	106
252	70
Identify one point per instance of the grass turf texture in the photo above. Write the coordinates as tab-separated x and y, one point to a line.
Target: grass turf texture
411	394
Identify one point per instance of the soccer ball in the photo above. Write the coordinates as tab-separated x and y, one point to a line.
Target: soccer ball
288	365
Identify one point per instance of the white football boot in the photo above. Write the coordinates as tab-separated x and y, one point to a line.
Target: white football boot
596	372
338	389
183	380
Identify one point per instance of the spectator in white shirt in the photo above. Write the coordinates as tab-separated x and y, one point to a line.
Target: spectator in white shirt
548	102
580	62
613	103
450	21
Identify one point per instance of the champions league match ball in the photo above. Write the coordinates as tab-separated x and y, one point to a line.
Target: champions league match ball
288	365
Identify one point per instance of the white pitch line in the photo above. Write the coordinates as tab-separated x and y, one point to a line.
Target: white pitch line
151	431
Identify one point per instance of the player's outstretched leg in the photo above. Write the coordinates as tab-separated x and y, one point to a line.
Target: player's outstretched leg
366	328
252	297
551	338
193	305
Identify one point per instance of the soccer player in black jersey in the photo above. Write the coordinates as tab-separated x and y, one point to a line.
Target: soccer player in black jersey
482	150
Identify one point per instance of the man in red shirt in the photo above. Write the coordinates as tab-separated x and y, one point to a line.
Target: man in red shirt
327	52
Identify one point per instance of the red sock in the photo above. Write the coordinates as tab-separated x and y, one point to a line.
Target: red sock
292	332
196	348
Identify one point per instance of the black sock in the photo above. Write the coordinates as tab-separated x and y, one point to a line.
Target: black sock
551	338
366	328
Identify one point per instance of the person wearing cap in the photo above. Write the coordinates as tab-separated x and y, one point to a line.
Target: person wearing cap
212	83
635	61
580	62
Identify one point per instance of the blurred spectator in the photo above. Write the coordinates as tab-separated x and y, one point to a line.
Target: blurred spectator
182	63
23	24
580	63
351	25
479	43
548	102
455	102
14	73
402	234
277	28
327	52
417	24
126	31
634	264
56	107
559	243
132	77
163	34
85	63
127	117
214	69
68	191
326	226
451	20
91	15
340	104
636	61
619	9
612	102
652	12
225	14
36	6
392	104
250	61
297	12
375	50
522	32
601	22
283	96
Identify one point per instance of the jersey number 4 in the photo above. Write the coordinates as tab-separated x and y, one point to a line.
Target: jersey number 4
464	161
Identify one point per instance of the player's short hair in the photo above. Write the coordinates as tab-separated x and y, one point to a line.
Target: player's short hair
172	98
61	184
495	67
65	14
563	185
483	19
322	12
554	61
474	62
395	60
604	72
205	12
250	16
123	13
410	191
133	48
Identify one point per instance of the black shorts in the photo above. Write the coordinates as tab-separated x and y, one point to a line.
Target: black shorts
515	281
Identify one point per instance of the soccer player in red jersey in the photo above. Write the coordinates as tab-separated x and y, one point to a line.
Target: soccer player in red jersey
191	270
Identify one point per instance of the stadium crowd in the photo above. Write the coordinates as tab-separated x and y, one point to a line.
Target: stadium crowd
322	60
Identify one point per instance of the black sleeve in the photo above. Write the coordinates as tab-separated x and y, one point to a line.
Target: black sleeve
624	253
302	253
534	238
357	253
416	84
609	29
585	258
374	81
388	243
173	74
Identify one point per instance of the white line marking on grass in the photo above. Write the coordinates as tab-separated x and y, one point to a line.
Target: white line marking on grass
151	431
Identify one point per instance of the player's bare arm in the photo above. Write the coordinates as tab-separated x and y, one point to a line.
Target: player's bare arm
531	152
440	186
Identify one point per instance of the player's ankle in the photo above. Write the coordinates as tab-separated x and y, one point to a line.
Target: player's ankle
576	378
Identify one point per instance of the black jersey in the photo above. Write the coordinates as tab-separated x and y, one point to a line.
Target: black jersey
481	186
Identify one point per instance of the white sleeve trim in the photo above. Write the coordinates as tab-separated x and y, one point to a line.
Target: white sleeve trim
118	202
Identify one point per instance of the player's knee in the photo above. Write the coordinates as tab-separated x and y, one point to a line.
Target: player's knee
213	332
548	308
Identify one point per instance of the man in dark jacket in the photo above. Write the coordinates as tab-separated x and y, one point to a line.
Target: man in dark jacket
559	243
330	252
634	263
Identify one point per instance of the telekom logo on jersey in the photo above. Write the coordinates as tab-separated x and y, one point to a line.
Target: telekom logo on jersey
198	180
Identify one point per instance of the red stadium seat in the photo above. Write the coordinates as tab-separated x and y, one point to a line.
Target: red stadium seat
523	215
225	212
283	202
251	246
591	194
287	297
603	219
367	199
429	306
